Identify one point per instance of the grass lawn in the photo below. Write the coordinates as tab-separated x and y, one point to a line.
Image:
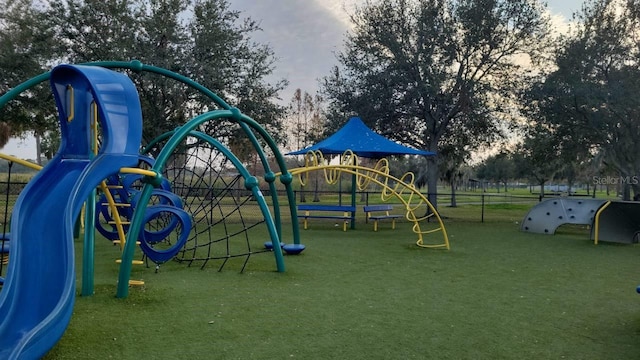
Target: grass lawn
497	294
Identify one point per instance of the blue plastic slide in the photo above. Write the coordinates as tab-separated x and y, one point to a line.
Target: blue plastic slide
36	301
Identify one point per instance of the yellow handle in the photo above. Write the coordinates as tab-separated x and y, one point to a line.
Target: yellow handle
70	107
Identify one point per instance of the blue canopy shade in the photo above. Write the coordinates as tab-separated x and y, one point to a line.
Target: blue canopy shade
364	142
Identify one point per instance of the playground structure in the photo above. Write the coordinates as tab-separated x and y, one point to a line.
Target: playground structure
401	189
37	298
609	221
166	198
617	221
546	216
100	119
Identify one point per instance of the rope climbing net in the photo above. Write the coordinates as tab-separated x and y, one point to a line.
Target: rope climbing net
224	217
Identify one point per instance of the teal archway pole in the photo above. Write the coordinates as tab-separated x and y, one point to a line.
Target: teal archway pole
243	120
137	66
251	183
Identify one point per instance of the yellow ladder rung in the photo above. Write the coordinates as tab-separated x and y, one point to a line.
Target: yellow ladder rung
115	187
136	282
118	242
121	222
134	262
117	204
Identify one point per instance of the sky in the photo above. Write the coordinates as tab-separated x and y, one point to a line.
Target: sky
305	36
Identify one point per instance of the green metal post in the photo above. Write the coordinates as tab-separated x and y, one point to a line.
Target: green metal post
353	200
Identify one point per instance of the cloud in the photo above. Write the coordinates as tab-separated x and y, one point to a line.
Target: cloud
559	23
304	35
340	10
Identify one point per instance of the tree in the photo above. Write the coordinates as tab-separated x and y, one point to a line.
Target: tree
537	158
451	160
297	110
226	60
298	122
23	50
589	100
423	72
306	120
305	127
498	168
201	39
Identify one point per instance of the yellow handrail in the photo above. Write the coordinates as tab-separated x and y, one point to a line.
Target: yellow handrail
94	127
114	213
70	108
596	222
128	170
21	162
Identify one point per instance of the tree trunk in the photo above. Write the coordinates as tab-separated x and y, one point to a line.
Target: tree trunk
432	180
636	188
454	203
303	198
316	194
626	192
38	148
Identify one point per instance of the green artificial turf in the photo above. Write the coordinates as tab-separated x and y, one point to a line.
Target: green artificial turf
497	294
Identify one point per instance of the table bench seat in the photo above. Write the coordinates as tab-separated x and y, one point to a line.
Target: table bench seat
325	212
381	212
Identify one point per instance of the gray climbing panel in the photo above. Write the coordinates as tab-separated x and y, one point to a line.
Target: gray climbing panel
546	216
619	222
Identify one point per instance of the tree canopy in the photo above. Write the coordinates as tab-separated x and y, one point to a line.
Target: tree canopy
430	73
201	39
588	101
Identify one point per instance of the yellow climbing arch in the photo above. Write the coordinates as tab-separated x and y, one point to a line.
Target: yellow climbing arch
402	189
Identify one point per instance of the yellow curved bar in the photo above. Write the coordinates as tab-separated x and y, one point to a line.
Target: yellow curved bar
331	175
311	159
112	204
70	107
596	222
21	162
382	166
113	207
127	170
114	213
349	158
94	128
414	201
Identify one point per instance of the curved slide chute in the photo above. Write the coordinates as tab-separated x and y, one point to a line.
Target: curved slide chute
36	301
